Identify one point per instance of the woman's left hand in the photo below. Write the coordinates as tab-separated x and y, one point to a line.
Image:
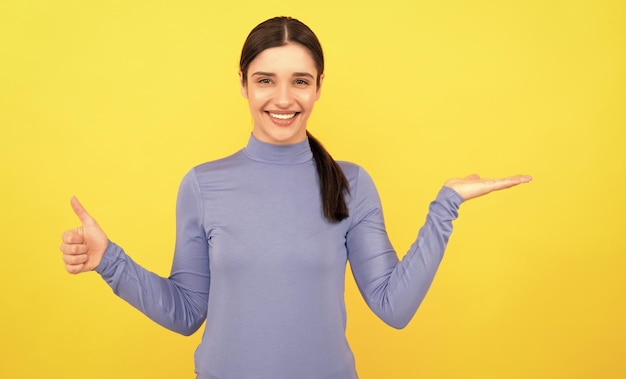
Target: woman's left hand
474	186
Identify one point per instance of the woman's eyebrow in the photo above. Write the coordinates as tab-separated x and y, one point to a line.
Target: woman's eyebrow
303	74
261	73
271	74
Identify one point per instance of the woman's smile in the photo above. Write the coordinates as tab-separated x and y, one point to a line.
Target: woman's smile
281	89
283	116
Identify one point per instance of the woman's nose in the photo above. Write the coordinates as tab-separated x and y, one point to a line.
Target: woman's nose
283	96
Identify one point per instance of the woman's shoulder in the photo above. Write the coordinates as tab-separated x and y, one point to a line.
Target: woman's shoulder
359	180
352	170
220	163
218	169
347	166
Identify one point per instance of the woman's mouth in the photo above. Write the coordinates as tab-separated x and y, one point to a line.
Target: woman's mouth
283	116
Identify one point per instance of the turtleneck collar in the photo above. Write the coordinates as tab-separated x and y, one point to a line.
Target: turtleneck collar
278	154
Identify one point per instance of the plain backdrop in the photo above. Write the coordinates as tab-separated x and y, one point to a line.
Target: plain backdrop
114	101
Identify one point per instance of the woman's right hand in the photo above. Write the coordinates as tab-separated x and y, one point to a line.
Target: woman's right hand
83	247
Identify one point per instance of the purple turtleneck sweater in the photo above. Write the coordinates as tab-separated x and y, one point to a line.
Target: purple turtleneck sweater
256	258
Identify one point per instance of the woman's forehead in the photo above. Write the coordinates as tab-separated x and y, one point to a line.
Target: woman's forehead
287	58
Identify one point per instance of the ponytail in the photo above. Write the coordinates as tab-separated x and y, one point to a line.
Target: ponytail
332	180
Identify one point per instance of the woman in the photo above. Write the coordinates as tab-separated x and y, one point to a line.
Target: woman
264	235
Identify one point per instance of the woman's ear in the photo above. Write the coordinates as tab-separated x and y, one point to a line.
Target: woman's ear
244	85
319	87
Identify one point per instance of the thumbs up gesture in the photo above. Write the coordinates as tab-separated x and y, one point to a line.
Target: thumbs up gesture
83	247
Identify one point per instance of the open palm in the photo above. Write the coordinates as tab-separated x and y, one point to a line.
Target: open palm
474	186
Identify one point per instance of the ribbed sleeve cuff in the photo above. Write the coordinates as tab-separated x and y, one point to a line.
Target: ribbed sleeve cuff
447	203
112	256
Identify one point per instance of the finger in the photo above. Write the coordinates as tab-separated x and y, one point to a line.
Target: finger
511	181
472	177
73	236
81	212
518	179
71	249
75	269
75	259
524	178
74	249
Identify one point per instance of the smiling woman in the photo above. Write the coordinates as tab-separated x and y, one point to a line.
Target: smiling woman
287	64
281	91
264	235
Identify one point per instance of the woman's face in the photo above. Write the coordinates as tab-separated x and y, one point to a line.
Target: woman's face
281	90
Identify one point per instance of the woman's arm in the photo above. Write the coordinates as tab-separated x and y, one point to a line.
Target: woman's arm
178	302
394	289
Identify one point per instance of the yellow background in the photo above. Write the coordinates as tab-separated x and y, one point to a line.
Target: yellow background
115	100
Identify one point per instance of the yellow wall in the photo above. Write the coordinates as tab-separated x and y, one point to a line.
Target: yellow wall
115	100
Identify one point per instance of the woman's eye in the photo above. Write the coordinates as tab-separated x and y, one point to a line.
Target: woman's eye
264	81
301	82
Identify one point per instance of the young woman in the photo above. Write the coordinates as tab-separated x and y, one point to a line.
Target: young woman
264	235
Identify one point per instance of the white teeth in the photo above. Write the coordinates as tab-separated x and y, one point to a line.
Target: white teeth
283	116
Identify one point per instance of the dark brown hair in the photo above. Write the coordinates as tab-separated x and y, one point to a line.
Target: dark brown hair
280	31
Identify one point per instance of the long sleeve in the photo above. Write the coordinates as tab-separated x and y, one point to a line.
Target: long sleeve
277	266
179	302
394	289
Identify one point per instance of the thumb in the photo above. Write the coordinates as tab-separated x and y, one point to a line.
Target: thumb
80	211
